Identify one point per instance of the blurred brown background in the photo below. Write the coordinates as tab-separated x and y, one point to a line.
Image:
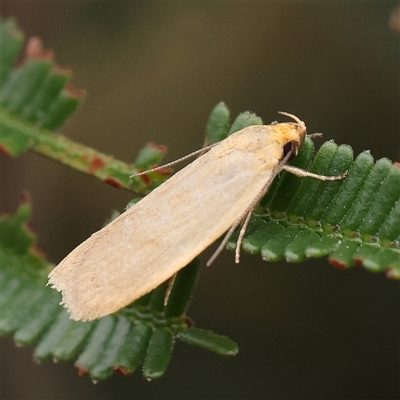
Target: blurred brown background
153	72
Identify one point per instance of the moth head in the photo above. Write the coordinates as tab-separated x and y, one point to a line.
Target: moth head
298	139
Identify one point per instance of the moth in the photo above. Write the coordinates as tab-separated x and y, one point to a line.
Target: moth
163	232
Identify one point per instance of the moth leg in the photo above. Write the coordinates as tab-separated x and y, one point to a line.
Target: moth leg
245	218
224	242
242	232
303	174
171	282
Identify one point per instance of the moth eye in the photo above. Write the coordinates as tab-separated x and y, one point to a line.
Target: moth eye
289	147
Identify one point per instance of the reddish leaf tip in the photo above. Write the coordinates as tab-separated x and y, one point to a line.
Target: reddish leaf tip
392	273
358	261
95	164
34	49
81	371
146	179
62	70
165	171
338	264
4	150
73	92
37	250
26	197
113	182
189	323
160	147
122	370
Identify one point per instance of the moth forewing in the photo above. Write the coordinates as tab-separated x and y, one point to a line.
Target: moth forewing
167	229
163	232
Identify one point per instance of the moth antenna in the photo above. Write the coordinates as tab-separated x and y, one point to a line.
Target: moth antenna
174	162
298	120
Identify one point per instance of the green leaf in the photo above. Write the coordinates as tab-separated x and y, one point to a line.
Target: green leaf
210	341
352	221
244	120
19	90
134	348
36	98
11	42
218	124
158	353
34	93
